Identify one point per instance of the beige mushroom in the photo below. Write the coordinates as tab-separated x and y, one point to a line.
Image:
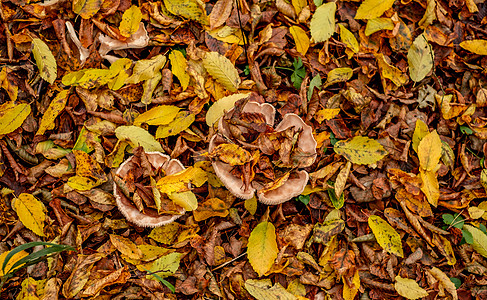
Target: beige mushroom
297	181
150	217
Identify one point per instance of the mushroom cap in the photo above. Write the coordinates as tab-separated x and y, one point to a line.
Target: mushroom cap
266	109
306	141
293	187
150	217
223	170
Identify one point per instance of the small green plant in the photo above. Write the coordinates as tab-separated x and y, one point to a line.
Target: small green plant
458	221
466	130
299	73
303	198
30	259
162	280
456	281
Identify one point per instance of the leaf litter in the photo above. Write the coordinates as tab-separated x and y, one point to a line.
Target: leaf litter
279	150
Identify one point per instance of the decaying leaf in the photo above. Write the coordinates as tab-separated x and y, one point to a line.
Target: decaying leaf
45	60
218	108
86	8
386	236
420	58
55	107
264	290
12	116
409	288
130	21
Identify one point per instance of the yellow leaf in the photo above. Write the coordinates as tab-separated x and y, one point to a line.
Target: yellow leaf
322	25
183	120
264	290
126	246
119	69
475	213
165	234
386	236
222	70
361	150
409	288
87	166
377	24
444	282
146	68
149	87
10	87
231	154
475	46
479	239
88	78
349	292
349	39
210	208
300	38
178	68
186	200
159	115
228	35
430	187
420	131
86	8
262	247
449	110
341	179
429	15
55	107
429	151
178	182
420	58
218	108
251	205
390	72
370	9
299	5
45	60
82	183
130	21
12	116
15	258
164	266
189	9
31	212
338	75
137	136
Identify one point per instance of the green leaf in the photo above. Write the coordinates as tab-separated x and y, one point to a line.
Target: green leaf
467	236
314	83
45	60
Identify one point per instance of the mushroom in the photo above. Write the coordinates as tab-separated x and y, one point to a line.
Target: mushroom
150	217
297	180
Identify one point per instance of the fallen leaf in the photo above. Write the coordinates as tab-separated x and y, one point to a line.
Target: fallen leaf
338	75
301	39
386	236
475	46
137	136
125	246
408	288
45	60
86	8
429	151
377	24
178	67
181	122
430	187
349	39
322	25
420	131
445	282
189	9
349	292
231	154
31	212
130	21
210	208
158	115
12	116
264	290
178	182
186	200
479	239
222	70
55	107
262	247
15	258
390	72
420	58
341	179
360	150
220	13
145	69
216	111
370	9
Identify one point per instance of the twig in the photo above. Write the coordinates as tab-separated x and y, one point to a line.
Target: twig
228	262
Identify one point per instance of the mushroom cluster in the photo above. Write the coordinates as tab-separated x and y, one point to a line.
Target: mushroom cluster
135	192
277	154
